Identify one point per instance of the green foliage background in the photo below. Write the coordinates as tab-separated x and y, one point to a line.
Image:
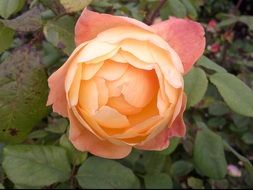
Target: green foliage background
37	36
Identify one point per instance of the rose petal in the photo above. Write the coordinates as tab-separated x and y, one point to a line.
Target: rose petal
121	105
75	87
56	83
103	92
112	70
118	34
134	61
168	69
149	111
111	118
89	70
140	128
186	37
96	51
83	140
88	96
90	24
137	86
161	141
140	49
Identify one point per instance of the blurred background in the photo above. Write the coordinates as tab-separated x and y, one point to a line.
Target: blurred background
36	38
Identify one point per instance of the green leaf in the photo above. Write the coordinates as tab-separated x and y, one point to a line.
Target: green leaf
236	94
23	94
28	22
61	33
232	20
218	108
158	181
6	37
99	173
39	134
208	154
153	161
181	168
173	8
17	186
74	5
9	7
247	20
131	159
51	55
195	183
34	165
209	64
227	22
248	138
76	157
195	86
172	146
58	126
191	11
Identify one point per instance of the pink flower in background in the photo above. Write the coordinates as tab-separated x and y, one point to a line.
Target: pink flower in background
211	25
215	48
234	171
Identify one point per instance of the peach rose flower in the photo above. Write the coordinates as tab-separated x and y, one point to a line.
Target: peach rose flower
123	87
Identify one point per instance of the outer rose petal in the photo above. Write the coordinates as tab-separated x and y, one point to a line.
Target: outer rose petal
177	129
56	83
83	140
90	24
186	37
57	95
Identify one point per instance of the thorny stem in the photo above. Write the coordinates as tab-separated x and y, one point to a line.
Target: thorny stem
72	177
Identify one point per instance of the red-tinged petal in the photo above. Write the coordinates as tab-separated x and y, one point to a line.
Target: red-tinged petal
186	37
90	24
161	141
84	140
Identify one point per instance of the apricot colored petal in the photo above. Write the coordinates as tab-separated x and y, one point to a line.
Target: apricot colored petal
88	96
111	118
161	141
103	93
114	88
57	95
96	49
112	70
89	70
117	34
140	49
56	83
137	86
134	61
90	24
178	127
121	105
186	37
149	111
84	140
140	128
85	120
165	63
75	87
